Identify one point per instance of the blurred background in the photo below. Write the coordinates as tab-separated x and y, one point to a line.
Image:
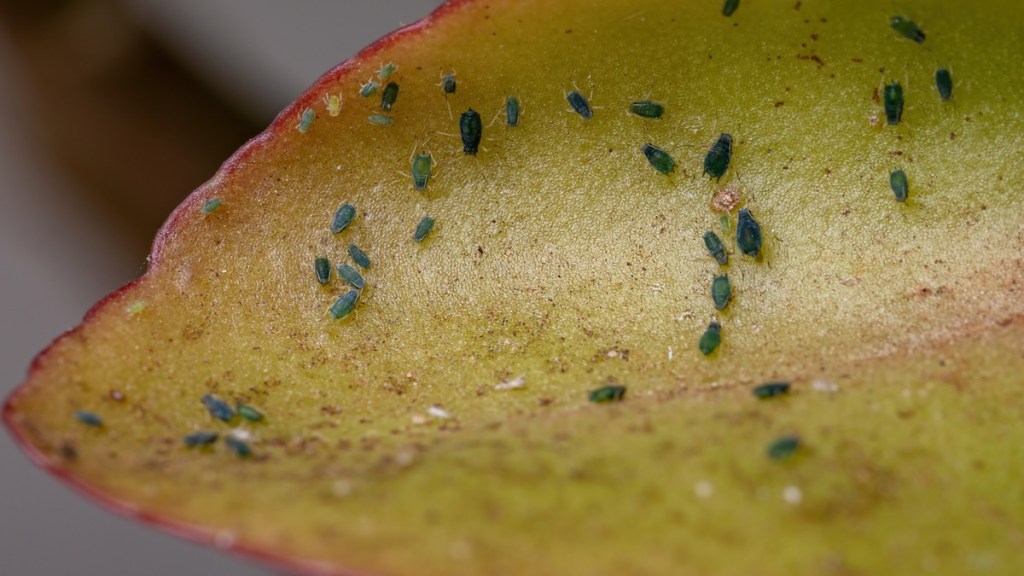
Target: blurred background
111	112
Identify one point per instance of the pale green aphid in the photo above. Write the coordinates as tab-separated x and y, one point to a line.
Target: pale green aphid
381	119
386	71
369	89
333	103
306	120
210	206
344	305
423	228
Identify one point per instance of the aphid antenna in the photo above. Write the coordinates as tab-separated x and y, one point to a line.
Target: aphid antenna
590	97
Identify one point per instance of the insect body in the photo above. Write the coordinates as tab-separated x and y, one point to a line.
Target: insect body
344	305
898	183
892	99
715	247
238	446
729	7
471	129
89	418
210	206
659	159
421	166
200	439
448	84
579	104
783	447
218	408
423	229
717	160
944	84
333	102
386	71
721	291
369	89
647	109
306	120
322	267
711	338
907	28
771	390
249	413
748	233
352	276
610	393
512	111
358	256
381	119
342	218
387	99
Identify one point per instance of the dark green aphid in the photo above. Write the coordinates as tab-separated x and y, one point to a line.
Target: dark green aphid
610	393
423	228
342	218
771	390
448	84
344	305
717	160
306	120
721	291
907	28
210	206
471	128
579	104
421	166
898	183
387	99
218	408
368	89
647	109
249	413
359	257
89	418
352	276
892	99
783	447
200	439
658	158
944	84
748	233
323	270
512	111
729	7
715	247
711	339
238	446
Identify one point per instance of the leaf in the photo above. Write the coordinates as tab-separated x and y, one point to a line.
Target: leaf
400	439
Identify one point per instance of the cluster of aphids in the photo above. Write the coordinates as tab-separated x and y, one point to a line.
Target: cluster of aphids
892	98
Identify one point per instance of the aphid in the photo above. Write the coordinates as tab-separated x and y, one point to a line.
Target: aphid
386	71
717	160
387	99
322	266
359	257
306	120
610	393
783	447
723	221
423	228
907	28
421	166
238	446
647	109
892	98
748	233
249	413
89	418
579	104
333	103
368	89
381	119
658	158
352	276
136	307
342	218
771	390
200	439
729	7
721	291
210	206
898	183
471	128
344	305
944	84
448	84
218	408
512	111
711	338
715	247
